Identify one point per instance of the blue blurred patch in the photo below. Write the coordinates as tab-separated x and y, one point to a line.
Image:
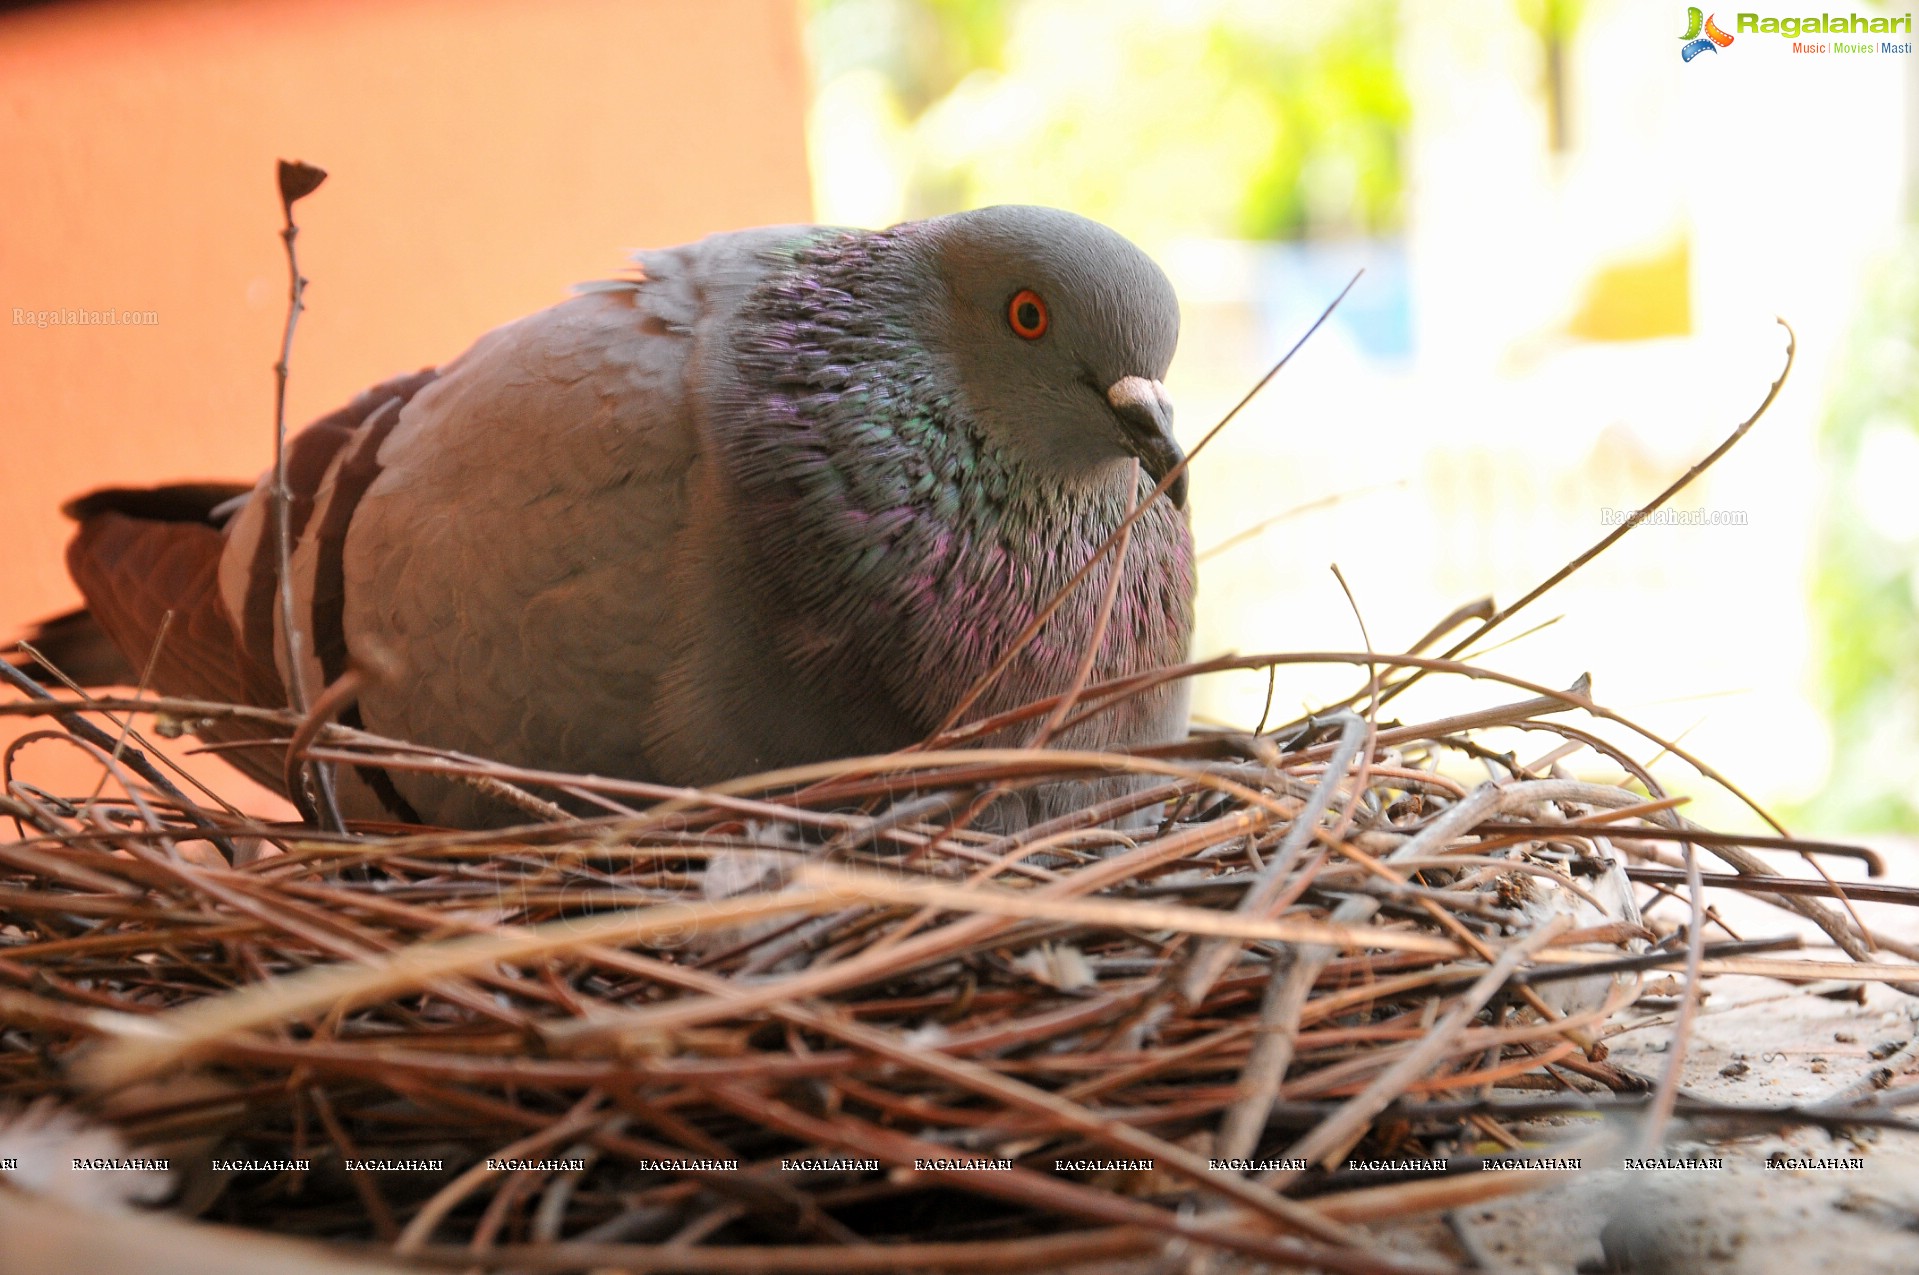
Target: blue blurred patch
1297	280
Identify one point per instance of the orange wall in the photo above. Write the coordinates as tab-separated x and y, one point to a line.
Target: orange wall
484	156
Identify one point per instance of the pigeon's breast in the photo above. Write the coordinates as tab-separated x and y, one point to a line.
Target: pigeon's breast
995	596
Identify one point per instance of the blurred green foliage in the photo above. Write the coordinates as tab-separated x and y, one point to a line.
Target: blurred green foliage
1866	581
1243	118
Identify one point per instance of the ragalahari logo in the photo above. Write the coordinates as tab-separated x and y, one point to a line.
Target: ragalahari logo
1711	41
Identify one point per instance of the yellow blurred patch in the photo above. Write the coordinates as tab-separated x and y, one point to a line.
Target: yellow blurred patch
1637	298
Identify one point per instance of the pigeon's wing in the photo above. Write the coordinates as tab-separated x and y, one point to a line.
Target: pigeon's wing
507	571
493	546
177	590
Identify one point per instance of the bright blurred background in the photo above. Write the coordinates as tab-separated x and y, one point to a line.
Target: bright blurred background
1574	245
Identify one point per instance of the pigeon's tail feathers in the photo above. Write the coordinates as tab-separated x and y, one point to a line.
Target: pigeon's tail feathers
71	647
74	647
152	588
208	503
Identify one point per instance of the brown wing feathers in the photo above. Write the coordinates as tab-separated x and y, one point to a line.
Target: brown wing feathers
141	553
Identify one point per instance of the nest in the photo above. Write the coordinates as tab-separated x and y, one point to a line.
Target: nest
816	1021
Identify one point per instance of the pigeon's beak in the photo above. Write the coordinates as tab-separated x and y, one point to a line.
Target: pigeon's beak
1146	422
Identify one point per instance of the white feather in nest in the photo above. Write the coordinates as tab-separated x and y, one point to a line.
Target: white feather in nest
56	1219
1545	890
733	872
45	1141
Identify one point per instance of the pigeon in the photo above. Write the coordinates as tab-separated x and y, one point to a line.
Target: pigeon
777	496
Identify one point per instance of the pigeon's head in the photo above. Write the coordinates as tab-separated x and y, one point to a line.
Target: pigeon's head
1060	332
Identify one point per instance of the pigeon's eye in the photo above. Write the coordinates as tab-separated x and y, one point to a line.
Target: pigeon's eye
1027	313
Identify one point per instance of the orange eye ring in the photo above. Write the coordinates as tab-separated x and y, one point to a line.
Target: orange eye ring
1026	314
